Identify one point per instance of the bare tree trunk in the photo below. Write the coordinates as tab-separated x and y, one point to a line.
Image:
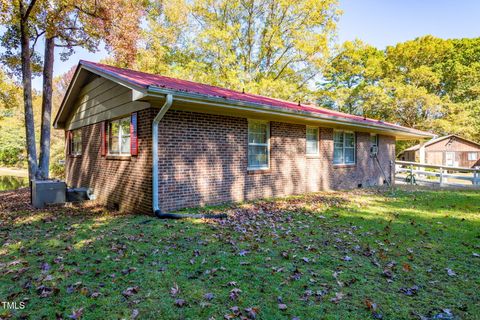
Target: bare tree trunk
46	108
27	92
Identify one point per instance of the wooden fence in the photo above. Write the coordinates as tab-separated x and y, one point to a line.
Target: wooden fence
414	173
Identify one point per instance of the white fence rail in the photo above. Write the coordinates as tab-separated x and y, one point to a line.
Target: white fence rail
414	172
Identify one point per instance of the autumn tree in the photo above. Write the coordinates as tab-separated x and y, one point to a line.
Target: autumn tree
11	135
268	47
62	24
426	83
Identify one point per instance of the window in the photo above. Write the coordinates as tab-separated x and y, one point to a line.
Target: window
119	136
76	142
472	156
312	140
258	144
374	140
343	147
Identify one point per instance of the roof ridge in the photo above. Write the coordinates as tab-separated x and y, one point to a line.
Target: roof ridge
244	93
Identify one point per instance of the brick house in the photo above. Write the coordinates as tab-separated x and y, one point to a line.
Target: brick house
450	150
144	142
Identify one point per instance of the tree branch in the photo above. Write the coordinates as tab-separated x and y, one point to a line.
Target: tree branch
29	9
38	35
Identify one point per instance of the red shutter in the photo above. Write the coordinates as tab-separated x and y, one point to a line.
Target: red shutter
69	142
133	135
104	146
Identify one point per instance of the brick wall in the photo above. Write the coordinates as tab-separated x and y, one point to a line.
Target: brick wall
203	160
116	182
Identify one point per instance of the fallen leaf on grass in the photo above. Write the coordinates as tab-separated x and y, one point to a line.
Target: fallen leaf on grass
135	314
45	267
128	270
180	303
174	290
73	287
130	291
372	307
76	314
450	272
387	273
296	275
243	253
335	276
338	297
234	293
406	267
410	291
282	306
84	291
208	296
251	312
45	292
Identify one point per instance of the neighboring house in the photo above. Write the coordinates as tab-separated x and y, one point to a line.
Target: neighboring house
451	150
144	142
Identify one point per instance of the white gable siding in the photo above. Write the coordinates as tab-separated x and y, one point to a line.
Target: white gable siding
101	100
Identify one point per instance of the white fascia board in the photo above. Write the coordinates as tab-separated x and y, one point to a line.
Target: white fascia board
266	109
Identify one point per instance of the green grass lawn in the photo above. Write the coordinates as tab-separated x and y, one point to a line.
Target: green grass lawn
344	255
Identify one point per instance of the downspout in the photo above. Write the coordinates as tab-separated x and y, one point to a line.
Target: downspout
155	205
166	106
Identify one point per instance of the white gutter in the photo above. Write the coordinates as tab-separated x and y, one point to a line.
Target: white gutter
306	115
156	120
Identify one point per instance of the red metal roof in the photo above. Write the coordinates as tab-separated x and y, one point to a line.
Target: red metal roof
145	80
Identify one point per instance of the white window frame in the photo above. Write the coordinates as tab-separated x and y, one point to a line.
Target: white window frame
120	136
76	146
254	168
475	156
343	163
317	140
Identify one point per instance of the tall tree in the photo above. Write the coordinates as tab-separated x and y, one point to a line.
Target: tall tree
426	83
263	46
16	17
66	24
117	22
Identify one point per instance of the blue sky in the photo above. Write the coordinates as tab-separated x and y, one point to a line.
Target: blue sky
386	22
377	22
